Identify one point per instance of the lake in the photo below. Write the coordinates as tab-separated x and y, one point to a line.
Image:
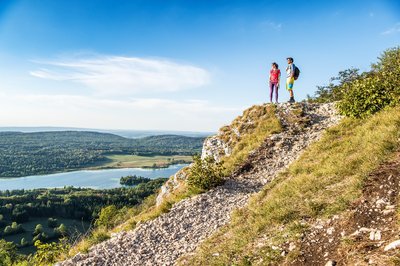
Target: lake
99	179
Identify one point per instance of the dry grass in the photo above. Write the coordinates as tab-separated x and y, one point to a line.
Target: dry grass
323	182
255	125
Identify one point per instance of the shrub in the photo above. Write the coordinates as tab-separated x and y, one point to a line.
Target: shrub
364	97
48	253
8	253
61	230
38	230
205	174
376	90
368	93
107	217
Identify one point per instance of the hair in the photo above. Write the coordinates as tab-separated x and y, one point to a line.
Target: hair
290	58
275	64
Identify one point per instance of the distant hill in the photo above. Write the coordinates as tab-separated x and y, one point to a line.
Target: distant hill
119	132
24	154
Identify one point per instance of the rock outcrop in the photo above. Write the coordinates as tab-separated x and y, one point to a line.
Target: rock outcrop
163	240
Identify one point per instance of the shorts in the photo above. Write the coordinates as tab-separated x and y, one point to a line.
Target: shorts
289	83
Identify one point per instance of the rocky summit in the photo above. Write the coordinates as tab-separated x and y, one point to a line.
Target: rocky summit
165	239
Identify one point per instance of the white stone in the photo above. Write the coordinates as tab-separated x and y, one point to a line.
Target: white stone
393	245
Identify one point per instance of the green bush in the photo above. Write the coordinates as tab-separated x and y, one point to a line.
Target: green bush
364	97
361	95
375	90
205	174
48	253
107	217
8	253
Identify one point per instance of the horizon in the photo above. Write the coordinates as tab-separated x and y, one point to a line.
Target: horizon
174	65
132	134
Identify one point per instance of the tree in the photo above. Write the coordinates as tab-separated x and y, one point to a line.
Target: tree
47	254
14	225
8	230
107	216
8	253
334	90
20	215
38	230
52	222
24	242
61	230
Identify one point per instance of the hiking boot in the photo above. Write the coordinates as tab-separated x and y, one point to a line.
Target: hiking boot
291	100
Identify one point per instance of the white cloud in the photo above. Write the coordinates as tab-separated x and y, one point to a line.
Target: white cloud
89	112
395	29
272	25
117	75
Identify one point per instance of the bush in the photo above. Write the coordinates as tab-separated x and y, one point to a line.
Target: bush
205	174
8	253
368	93
38	230
61	230
376	90
364	97
48	253
107	217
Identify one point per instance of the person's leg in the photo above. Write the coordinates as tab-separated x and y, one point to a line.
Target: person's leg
271	89
276	93
289	87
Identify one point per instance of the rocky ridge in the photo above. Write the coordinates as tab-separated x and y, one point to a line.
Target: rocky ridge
163	240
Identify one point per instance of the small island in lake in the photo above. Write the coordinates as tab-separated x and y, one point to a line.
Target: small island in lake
133	180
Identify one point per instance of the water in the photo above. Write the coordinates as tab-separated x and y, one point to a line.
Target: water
98	179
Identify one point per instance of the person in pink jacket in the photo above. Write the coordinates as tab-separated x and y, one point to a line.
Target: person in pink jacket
274	79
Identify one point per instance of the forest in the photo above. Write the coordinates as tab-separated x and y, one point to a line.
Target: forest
49	214
23	154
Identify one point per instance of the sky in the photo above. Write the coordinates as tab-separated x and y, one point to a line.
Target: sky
174	65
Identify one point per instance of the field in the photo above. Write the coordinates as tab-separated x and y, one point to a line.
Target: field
135	161
74	227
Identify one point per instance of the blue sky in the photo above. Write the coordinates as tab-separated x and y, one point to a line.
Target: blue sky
174	65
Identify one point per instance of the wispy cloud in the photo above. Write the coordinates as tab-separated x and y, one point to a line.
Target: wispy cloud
272	25
394	30
124	75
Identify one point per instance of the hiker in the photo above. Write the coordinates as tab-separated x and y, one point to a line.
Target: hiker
290	69
274	79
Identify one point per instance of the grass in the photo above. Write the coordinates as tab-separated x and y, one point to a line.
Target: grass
255	125
323	182
135	161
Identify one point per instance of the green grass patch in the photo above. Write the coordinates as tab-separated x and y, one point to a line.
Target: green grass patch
135	161
323	182
263	123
